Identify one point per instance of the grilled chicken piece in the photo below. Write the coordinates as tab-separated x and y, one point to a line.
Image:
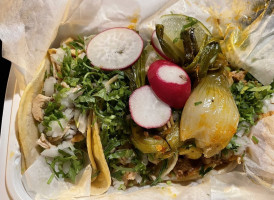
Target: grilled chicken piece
37	106
43	142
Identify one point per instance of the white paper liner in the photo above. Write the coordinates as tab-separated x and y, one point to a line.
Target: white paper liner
37	175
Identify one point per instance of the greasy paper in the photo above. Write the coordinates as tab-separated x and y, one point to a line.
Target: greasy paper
260	157
29	28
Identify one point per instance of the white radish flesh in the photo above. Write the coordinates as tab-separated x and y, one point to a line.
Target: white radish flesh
116	48
170	83
147	110
156	45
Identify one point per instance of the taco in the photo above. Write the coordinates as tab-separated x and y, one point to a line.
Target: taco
210	131
49	124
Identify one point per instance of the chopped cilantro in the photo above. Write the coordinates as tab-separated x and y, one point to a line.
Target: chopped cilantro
163	168
78	44
188	145
175	40
95	174
50	178
75	162
123	153
122	187
249	98
232	145
255	140
198	103
204	171
191	22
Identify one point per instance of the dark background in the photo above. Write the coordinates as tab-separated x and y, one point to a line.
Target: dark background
4	74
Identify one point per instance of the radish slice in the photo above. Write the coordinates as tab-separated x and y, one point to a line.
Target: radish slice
147	110
156	45
116	48
170	83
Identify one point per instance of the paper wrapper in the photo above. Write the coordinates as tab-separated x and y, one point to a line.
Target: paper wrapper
29	28
37	175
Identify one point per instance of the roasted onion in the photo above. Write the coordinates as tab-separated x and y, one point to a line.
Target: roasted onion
210	115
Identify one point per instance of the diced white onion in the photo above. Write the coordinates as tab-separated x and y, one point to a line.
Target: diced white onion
144	159
56	129
268	105
68	113
51	152
69	97
81	55
66	167
272	99
83	123
138	178
65	144
76	116
41	128
49	86
58	56
116	183
66	102
67	150
74	94
243	143
70	133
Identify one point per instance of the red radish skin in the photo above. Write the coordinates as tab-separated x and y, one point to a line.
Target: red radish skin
108	48
156	45
170	83
147	110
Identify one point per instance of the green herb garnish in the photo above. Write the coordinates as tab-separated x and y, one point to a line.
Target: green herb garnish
191	22
74	162
175	40
198	103
95	174
163	168
232	145
78	43
204	171
255	140
249	98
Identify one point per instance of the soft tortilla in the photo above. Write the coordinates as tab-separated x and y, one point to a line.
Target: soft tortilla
27	129
28	134
96	153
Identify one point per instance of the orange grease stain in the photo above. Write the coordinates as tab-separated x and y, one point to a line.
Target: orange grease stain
133	20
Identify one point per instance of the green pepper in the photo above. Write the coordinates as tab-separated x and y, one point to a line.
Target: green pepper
190	45
137	74
208	57
191	67
219	62
161	156
148	144
173	137
171	51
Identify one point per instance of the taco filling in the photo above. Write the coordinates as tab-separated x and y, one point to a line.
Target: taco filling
176	112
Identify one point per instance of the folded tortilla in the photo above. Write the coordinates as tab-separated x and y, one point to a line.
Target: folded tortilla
96	155
28	135
27	129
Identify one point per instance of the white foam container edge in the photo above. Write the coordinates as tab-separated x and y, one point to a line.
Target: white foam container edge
11	186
